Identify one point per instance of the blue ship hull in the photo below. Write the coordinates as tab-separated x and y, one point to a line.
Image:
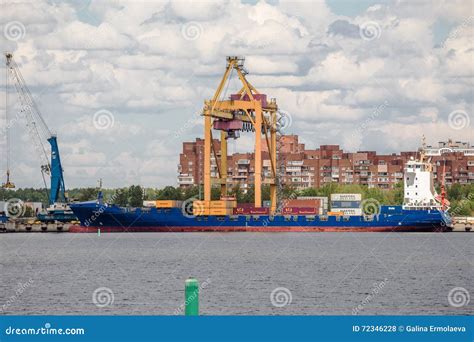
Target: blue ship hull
94	216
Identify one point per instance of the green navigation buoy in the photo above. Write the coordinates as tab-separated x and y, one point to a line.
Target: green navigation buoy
191	297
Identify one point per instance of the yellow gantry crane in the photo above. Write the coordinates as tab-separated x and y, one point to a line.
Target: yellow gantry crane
229	116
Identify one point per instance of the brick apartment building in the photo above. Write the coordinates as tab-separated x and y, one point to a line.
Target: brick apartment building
306	168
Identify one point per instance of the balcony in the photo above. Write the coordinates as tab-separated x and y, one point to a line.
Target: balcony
185	180
295	163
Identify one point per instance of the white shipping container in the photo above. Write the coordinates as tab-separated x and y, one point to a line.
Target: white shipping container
149	204
348	212
346	197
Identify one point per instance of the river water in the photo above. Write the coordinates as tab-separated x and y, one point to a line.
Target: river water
239	273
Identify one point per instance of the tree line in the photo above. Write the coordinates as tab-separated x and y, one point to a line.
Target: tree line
460	196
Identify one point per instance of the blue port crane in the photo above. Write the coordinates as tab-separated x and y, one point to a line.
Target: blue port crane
39	132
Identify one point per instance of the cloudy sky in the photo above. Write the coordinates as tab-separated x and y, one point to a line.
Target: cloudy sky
122	82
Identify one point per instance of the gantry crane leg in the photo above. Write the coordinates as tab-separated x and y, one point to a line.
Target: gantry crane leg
258	154
273	148
223	164
207	158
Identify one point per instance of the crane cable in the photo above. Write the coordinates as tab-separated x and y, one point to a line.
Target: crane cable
33	115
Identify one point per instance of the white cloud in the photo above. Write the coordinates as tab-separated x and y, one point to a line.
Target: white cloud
136	60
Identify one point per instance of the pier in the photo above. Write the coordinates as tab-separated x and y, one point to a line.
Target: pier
31	225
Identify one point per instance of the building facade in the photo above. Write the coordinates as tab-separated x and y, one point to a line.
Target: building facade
306	168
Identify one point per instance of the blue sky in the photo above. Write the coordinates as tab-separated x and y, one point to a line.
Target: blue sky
123	82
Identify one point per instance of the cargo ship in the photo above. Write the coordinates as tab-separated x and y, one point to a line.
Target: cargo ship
423	210
248	110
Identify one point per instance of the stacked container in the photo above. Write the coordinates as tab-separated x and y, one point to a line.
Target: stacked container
303	206
162	204
219	208
346	204
323	201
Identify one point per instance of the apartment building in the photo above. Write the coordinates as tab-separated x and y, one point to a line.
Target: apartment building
305	168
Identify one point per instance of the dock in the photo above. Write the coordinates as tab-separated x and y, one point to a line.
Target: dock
33	226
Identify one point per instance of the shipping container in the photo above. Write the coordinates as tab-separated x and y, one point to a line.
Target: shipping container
250	211
300	211
168	204
200	211
223	204
345	204
348	212
346	197
324	200
149	204
245	205
202	204
306	203
221	211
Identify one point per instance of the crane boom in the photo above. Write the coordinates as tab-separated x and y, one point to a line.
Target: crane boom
39	132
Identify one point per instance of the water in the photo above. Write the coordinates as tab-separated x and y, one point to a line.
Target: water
324	273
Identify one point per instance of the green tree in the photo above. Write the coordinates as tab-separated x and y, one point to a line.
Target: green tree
455	192
170	193
135	196
120	197
237	193
88	194
215	193
192	191
249	196
265	192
